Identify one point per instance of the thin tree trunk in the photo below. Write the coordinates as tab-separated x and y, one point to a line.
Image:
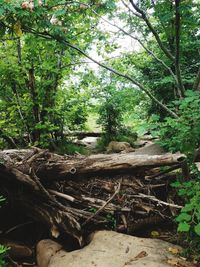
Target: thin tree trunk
196	86
177	47
34	95
14	89
141	86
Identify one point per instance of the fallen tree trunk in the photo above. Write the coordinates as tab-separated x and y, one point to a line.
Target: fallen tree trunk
82	135
120	189
51	166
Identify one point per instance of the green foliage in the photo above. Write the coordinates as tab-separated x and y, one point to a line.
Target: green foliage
64	146
183	133
93	210
126	134
1	199
189	217
114	105
123	135
35	104
3	249
111	221
110	117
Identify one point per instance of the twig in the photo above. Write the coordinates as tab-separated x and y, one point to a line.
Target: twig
67	197
157	175
17	226
160	202
103	207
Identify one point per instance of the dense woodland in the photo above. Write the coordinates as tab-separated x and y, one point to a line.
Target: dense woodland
118	69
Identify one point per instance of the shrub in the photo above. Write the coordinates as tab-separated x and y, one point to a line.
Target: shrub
68	147
189	218
110	118
123	135
182	134
3	252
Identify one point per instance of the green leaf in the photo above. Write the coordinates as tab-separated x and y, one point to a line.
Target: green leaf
183	227
183	217
188	207
197	229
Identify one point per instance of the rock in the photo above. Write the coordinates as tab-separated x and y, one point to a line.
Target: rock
90	142
197	165
150	149
140	143
18	251
116	147
45	250
111	249
148	137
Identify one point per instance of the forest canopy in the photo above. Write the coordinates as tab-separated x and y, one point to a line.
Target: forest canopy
47	83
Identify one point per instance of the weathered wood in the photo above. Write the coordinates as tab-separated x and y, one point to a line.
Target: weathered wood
55	167
103	164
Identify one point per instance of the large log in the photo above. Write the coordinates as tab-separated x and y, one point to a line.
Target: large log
51	166
104	164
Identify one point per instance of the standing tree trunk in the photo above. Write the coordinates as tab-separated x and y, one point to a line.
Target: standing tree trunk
34	95
177	47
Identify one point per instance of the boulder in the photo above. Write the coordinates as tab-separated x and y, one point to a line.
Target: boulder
116	147
111	249
150	149
45	250
90	142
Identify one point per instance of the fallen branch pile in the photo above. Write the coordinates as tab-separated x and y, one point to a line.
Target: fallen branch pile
76	194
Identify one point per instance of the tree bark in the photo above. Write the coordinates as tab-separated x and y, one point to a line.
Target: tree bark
34	95
177	47
196	86
49	166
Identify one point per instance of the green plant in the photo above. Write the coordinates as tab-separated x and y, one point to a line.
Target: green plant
1	199
182	133
93	210
110	118
67	147
111	220
189	218
3	249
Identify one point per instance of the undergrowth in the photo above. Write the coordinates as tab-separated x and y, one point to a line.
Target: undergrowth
3	249
183	134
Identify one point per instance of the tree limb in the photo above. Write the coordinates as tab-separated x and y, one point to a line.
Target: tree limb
152	29
103	207
135	14
127	77
150	52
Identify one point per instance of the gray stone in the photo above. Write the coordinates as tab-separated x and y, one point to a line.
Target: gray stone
111	249
150	149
